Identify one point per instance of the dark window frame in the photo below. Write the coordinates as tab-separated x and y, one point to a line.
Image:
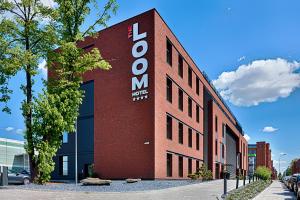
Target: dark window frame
197	85
180	133
197	113
198	141
190	166
169	88
169	165
190	137
169	52
169	130
190	107
180	99
180	166
180	65
190	77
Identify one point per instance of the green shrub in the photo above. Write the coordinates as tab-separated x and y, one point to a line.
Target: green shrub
249	191
203	173
263	173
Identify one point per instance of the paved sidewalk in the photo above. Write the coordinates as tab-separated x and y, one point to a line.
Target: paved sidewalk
276	191
206	191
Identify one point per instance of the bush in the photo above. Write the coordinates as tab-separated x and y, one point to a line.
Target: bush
204	173
249	191
263	173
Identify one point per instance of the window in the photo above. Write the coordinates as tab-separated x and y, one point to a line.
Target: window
180	66
180	166
190	166
180	99
169	127
190	107
223	130
169	165
190	79
197	85
216	123
223	150
216	147
63	165
198	141
169	52
244	148
190	137
197	113
197	165
65	138
180	133
169	90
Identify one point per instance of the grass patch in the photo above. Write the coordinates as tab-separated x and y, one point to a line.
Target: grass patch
249	191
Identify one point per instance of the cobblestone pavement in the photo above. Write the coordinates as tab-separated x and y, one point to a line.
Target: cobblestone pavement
206	191
276	191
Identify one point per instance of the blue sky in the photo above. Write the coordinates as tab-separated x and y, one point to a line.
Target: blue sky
224	36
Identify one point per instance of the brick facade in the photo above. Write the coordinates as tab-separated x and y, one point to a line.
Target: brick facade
130	138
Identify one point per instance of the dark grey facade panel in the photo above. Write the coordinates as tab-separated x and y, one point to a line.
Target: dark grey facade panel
85	139
231	153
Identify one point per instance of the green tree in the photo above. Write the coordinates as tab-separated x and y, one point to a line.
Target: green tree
26	35
263	172
30	33
56	110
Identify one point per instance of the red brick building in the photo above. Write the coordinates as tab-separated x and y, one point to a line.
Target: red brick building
295	166
260	154
155	114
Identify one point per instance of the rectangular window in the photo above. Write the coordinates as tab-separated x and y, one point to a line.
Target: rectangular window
65	138
216	147
63	165
198	141
180	133
197	85
169	52
197	113
169	127
197	165
223	130
190	166
169	90
180	66
216	123
190	106
190	137
180	166
223	150
190	78
180	99
169	165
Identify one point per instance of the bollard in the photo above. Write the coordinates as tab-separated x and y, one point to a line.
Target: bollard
253	178
244	181
225	186
249	178
237	182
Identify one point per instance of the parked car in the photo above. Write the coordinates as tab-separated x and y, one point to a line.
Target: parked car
18	177
285	180
298	190
292	181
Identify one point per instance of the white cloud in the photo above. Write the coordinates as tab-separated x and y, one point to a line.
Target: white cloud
247	137
259	81
19	131
276	162
269	129
241	58
42	68
9	128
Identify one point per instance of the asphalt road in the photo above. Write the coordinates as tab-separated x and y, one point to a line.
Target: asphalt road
206	191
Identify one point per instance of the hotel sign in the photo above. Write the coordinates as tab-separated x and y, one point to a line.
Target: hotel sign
139	80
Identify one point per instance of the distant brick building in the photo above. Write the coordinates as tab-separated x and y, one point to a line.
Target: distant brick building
296	166
260	154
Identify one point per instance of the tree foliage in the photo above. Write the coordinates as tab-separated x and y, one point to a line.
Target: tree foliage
25	42
263	173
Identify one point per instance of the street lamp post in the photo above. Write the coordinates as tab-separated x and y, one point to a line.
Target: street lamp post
76	178
281	155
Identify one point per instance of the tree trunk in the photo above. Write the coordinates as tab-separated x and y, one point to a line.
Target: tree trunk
28	113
